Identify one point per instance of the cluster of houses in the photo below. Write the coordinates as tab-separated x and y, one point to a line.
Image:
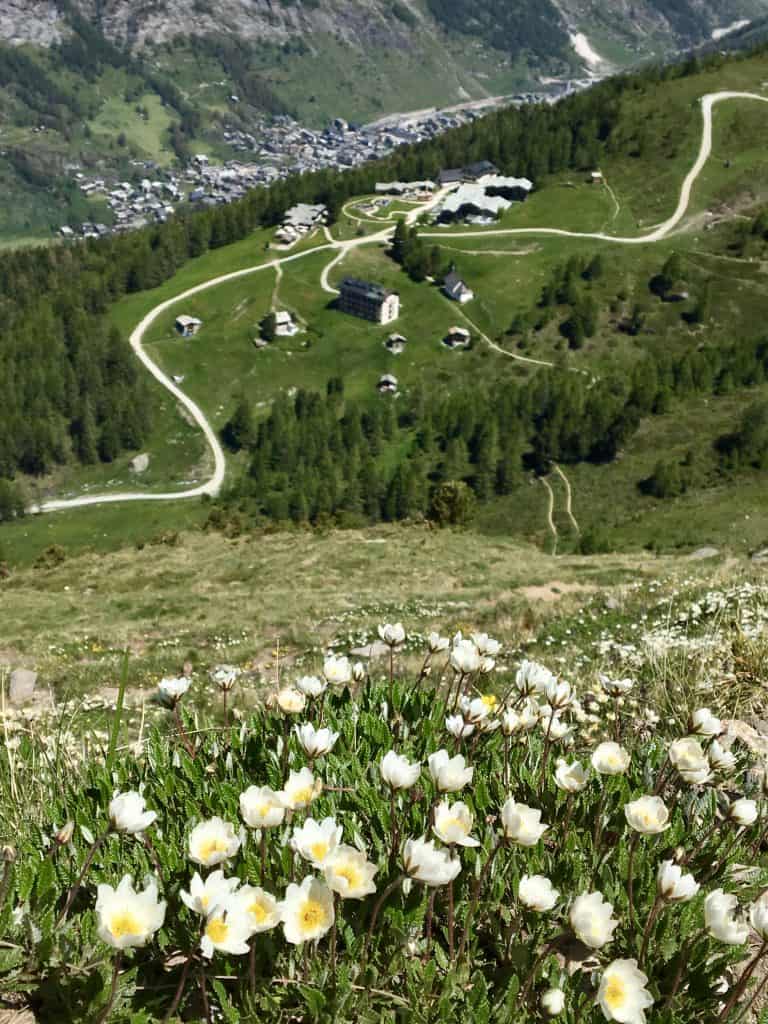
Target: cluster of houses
299	221
481	195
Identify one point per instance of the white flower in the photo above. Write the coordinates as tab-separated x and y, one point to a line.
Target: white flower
591	920
553	1002
475	709
358	672
522	824
537	893
457	727
225	677
532	677
227	930
291	701
449	774
570	777
307	911
300	789
349	873
437	643
212	842
337	670
425	863
552	725
261	910
316	840
485	645
704	723
465	657
529	714
615	687
311	686
648	815
510	722
392	635
610	759
720	759
126	917
673	886
743	812
398	772
203	896
172	690
690	760
758	916
315	742
261	807
127	813
720	918
558	694
453	823
622	994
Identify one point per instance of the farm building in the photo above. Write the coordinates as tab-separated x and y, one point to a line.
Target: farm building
187	326
387	384
455	288
395	344
368	301
457	337
284	325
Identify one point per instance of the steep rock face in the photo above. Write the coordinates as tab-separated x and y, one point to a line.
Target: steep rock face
401	24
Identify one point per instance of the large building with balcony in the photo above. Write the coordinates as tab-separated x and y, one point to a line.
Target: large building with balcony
368	301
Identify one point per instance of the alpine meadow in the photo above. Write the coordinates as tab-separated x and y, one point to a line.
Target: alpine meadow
383	473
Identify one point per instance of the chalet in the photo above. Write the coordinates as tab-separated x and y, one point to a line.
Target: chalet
395	344
402	188
284	325
187	326
472	202
472	172
457	337
387	384
455	288
368	301
596	178
451	176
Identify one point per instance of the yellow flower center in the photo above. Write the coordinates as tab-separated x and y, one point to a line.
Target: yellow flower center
311	915
217	930
319	850
204	901
615	993
490	701
456	823
209	847
262	810
125	923
352	874
258	911
301	796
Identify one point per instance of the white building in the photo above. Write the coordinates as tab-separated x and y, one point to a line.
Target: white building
455	288
284	325
188	326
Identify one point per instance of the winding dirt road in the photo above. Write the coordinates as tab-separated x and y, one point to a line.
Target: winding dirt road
214	484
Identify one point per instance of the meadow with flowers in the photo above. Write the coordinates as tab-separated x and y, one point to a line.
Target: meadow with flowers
446	832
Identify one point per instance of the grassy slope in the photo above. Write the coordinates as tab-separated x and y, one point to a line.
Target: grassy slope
505	286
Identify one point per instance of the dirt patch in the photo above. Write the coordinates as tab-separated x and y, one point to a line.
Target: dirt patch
554	591
17	1017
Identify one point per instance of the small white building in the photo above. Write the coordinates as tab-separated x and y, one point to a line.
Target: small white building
455	288
187	326
387	384
284	325
395	344
457	337
303	218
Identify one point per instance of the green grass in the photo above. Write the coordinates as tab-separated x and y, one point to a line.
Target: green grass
147	134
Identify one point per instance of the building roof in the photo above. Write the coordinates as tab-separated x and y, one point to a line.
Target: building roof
188	321
452	280
365	289
450	175
474	195
283	318
388	378
405	186
500	181
303	213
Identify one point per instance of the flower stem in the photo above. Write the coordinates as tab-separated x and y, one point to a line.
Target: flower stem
391	679
386	893
104	1015
81	878
150	848
179	990
204	995
226	709
700	845
182	731
263	849
631	877
657	905
428	923
450	921
719	865
506	762
476	895
741	984
534	970
393	829
252	968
